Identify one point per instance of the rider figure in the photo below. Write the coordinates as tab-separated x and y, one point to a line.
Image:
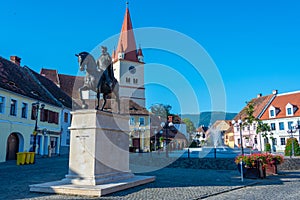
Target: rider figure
103	62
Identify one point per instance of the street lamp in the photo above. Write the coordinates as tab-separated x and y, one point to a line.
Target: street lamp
38	107
292	129
239	124
167	127
298	127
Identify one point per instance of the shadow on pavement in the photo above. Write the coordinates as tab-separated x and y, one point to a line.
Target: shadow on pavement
15	181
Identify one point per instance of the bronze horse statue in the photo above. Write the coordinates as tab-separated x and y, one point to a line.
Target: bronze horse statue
96	80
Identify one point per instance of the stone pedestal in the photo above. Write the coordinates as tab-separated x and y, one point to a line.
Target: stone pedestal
99	157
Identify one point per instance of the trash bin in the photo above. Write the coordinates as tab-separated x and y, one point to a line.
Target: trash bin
32	154
27	157
21	156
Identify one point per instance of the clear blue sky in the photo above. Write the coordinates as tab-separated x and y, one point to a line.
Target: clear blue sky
253	44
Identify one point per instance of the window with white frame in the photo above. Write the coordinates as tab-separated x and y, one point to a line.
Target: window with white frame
272	113
281	126
255	140
282	141
274	141
2	104
289	109
142	121
290	125
132	121
13	107
24	110
273	126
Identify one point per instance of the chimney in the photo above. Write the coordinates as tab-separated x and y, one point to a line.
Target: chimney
16	60
259	95
275	91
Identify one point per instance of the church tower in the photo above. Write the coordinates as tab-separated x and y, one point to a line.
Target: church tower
129	64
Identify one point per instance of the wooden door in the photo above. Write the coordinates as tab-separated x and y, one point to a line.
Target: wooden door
12	147
136	143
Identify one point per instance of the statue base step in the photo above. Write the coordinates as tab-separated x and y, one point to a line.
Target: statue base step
65	187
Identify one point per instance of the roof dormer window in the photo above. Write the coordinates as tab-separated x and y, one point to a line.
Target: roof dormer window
289	109
272	112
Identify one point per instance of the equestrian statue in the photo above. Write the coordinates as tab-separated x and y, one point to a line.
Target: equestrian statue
99	77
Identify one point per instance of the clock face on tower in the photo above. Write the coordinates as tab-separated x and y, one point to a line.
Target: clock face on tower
132	69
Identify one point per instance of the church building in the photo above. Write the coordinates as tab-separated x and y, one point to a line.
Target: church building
128	64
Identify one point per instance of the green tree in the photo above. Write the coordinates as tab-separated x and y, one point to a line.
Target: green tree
265	131
190	128
268	147
161	110
288	147
250	118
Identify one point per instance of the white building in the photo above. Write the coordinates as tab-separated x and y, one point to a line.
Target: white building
250	139
283	113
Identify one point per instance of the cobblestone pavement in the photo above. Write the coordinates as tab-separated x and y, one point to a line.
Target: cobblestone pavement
284	187
171	183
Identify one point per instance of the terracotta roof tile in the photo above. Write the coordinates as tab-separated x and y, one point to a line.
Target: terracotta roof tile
70	84
50	74
259	104
281	101
132	108
202	129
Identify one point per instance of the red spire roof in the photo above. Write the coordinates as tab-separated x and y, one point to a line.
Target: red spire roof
127	41
140	53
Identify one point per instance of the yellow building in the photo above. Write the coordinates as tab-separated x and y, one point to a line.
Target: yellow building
28	111
229	138
139	125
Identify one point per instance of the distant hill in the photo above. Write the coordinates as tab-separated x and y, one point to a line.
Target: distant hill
207	118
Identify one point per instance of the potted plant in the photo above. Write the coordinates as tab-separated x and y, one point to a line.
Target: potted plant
259	165
272	162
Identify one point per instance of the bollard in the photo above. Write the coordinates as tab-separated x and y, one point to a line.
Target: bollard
242	175
49	151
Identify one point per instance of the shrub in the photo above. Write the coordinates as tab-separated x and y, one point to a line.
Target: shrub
268	147
194	144
288	147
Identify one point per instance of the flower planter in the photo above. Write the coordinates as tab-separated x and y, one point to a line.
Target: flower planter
271	169
265	164
253	172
